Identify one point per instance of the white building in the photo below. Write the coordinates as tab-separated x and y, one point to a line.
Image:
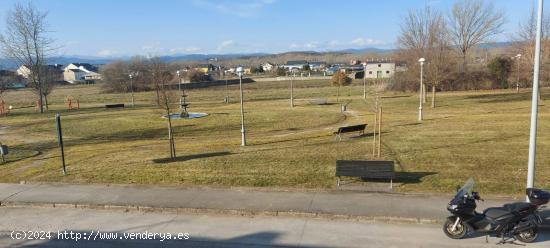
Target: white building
381	69
267	66
25	70
80	73
295	65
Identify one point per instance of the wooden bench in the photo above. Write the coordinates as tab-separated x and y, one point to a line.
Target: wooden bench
117	105
350	129
374	169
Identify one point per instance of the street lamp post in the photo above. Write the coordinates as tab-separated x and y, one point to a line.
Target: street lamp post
179	73
131	75
240	72
179	87
365	81
420	116
292	91
534	104
518	58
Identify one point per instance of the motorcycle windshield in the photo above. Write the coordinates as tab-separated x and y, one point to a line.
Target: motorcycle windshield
465	190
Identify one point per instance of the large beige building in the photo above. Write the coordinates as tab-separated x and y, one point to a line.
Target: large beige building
379	69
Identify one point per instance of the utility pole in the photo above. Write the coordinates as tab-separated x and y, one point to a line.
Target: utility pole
240	72
365	81
534	104
518	58
292	91
421	92
132	87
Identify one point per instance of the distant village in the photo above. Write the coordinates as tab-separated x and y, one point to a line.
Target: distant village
85	73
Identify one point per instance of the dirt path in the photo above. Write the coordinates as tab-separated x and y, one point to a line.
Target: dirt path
350	116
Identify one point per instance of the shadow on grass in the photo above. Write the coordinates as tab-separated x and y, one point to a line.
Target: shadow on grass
408	124
403	177
505	97
190	157
398	96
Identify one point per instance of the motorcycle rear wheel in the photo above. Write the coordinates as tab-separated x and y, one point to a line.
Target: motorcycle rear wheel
528	236
458	233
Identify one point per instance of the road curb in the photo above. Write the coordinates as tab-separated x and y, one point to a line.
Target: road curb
230	212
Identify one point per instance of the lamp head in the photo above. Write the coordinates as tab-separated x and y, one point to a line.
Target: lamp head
421	60
240	71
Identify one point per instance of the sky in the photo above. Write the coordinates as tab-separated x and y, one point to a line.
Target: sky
114	28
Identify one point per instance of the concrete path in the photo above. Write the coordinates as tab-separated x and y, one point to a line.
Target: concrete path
109	228
332	204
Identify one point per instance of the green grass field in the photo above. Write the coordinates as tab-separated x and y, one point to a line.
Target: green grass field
483	135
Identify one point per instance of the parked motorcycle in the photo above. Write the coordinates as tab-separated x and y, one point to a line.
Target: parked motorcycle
513	221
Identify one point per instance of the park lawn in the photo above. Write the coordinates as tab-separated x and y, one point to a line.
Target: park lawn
481	134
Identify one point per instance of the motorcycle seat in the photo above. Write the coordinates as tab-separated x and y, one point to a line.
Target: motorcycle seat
517	206
506	210
497	212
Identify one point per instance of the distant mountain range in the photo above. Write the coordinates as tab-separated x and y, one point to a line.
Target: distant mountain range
7	64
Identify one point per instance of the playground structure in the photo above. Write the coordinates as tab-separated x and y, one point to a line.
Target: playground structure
38	105
3	109
70	106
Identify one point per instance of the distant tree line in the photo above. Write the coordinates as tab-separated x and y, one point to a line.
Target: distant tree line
448	42
116	75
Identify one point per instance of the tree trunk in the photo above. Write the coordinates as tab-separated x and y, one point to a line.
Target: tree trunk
433	96
158	99
464	62
46	102
338	94
40	100
424	93
171	137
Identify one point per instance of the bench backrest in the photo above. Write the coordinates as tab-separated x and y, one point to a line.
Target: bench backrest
365	168
352	128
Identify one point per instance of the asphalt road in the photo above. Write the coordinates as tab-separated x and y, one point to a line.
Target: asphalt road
214	231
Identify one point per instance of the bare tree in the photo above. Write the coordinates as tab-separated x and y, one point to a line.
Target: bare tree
166	96
26	43
472	22
4	82
424	34
525	43
438	53
114	77
415	30
50	76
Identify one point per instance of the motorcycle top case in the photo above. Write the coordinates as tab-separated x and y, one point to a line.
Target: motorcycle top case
538	196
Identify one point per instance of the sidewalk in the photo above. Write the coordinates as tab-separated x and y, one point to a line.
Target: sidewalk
248	201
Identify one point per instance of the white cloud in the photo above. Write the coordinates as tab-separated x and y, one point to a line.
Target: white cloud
308	45
226	44
333	43
106	53
336	45
246	8
365	42
191	49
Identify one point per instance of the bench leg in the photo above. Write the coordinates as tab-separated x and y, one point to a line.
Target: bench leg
338	181
391	183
